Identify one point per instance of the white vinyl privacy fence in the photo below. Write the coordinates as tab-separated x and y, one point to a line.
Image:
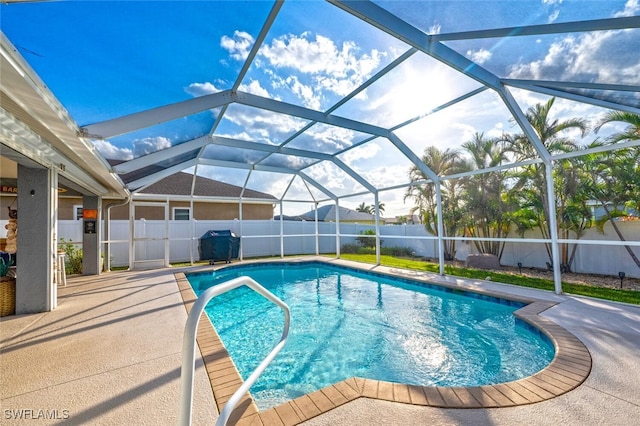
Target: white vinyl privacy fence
263	238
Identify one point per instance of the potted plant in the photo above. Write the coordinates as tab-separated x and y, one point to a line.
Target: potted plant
7	286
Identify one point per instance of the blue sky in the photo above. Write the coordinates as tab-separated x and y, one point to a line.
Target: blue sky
107	59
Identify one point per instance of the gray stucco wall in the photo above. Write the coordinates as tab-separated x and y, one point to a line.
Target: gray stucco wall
34	256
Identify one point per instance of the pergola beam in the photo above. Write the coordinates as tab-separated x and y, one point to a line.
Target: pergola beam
440	107
393	25
400	59
138	184
306	113
271	169
570	84
554	28
151	117
274	149
576	97
320	187
402	30
162	155
250	57
526	127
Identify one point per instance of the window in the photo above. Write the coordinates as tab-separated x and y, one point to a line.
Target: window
181	213
77	212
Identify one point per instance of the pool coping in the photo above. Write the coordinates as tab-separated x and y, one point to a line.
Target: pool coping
570	367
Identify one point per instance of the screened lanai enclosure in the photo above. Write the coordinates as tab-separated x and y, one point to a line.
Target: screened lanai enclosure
501	128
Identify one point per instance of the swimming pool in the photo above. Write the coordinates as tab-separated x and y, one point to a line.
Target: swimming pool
351	323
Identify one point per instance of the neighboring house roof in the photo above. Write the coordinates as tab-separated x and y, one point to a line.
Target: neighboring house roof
180	184
328	214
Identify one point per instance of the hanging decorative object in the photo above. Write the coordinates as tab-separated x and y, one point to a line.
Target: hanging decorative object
8	283
12	232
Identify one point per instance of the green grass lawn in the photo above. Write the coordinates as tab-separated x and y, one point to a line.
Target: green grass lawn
616	295
627	296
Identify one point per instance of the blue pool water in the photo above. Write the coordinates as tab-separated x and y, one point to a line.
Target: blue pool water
346	323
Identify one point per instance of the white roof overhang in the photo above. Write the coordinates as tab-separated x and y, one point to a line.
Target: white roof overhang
35	125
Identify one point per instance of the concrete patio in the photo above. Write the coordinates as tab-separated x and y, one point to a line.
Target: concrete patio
111	354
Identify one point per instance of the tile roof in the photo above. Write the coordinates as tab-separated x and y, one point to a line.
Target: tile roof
180	184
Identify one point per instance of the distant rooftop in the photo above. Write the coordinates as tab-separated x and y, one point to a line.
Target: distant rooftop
328	214
180	184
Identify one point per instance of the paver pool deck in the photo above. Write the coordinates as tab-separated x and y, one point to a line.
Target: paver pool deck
111	354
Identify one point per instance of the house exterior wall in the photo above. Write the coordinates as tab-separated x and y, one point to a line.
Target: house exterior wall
65	207
201	211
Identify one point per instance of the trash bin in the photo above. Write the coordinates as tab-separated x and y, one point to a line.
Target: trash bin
218	246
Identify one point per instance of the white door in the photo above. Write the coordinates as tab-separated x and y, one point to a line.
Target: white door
149	243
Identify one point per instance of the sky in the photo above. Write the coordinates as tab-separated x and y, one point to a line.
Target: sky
106	59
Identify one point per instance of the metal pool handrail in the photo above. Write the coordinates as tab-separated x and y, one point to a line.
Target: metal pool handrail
189	343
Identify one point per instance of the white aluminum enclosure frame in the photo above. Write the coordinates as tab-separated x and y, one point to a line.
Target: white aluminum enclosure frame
419	43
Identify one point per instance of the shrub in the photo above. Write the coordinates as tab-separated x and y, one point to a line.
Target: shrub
73	259
387	251
397	251
369	240
350	248
357	249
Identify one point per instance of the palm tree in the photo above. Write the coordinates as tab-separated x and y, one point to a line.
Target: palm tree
363	208
572	193
488	211
631	132
616	177
442	163
530	179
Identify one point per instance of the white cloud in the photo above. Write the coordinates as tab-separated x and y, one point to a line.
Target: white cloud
631	8
337	69
261	125
496	131
328	175
435	29
479	56
554	15
148	145
362	152
330	138
201	89
306	56
304	92
277	187
334	179
386	175
112	152
605	56
254	87
239	45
